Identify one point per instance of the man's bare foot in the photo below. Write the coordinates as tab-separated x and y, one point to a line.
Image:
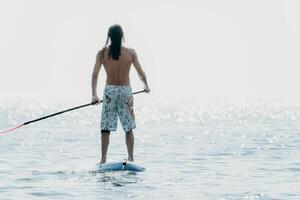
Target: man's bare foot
101	162
130	159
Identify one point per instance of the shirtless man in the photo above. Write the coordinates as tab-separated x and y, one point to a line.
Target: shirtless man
117	97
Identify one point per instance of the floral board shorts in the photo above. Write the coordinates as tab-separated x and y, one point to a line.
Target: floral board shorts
117	101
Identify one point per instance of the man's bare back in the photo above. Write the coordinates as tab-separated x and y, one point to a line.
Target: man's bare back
118	70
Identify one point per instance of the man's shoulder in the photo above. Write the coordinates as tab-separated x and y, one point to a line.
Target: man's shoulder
100	53
130	50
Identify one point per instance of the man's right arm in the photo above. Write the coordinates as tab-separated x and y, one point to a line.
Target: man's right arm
94	81
139	70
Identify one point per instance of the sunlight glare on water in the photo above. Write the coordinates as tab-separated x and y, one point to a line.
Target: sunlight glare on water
224	150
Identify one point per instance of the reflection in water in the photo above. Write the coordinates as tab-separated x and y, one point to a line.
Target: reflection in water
118	178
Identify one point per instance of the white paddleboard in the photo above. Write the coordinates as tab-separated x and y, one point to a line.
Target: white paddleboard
119	166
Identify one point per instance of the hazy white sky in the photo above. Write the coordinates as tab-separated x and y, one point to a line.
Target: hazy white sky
192	49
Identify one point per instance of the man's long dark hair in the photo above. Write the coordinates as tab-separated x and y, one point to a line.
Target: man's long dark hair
115	34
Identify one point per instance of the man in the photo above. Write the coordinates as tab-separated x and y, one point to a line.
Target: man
117	97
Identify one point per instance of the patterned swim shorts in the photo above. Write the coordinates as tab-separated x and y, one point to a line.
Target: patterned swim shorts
117	101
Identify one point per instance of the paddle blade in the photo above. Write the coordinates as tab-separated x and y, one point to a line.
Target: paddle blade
12	129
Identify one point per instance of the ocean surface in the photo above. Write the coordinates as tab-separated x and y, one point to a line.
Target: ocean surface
213	150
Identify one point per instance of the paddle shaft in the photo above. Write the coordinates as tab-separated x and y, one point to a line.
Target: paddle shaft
68	110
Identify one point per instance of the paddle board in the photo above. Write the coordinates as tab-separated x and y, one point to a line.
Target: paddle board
119	166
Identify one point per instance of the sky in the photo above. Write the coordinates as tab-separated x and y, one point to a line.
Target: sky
189	49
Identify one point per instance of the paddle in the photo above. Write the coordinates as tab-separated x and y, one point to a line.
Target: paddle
58	113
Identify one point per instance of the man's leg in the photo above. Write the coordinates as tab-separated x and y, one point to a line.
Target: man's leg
130	144
104	145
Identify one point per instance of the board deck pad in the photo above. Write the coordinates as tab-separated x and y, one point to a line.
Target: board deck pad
119	166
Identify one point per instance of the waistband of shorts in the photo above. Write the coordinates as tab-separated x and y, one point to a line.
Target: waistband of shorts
118	86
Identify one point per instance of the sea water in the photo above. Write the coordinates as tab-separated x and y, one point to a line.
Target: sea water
213	150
